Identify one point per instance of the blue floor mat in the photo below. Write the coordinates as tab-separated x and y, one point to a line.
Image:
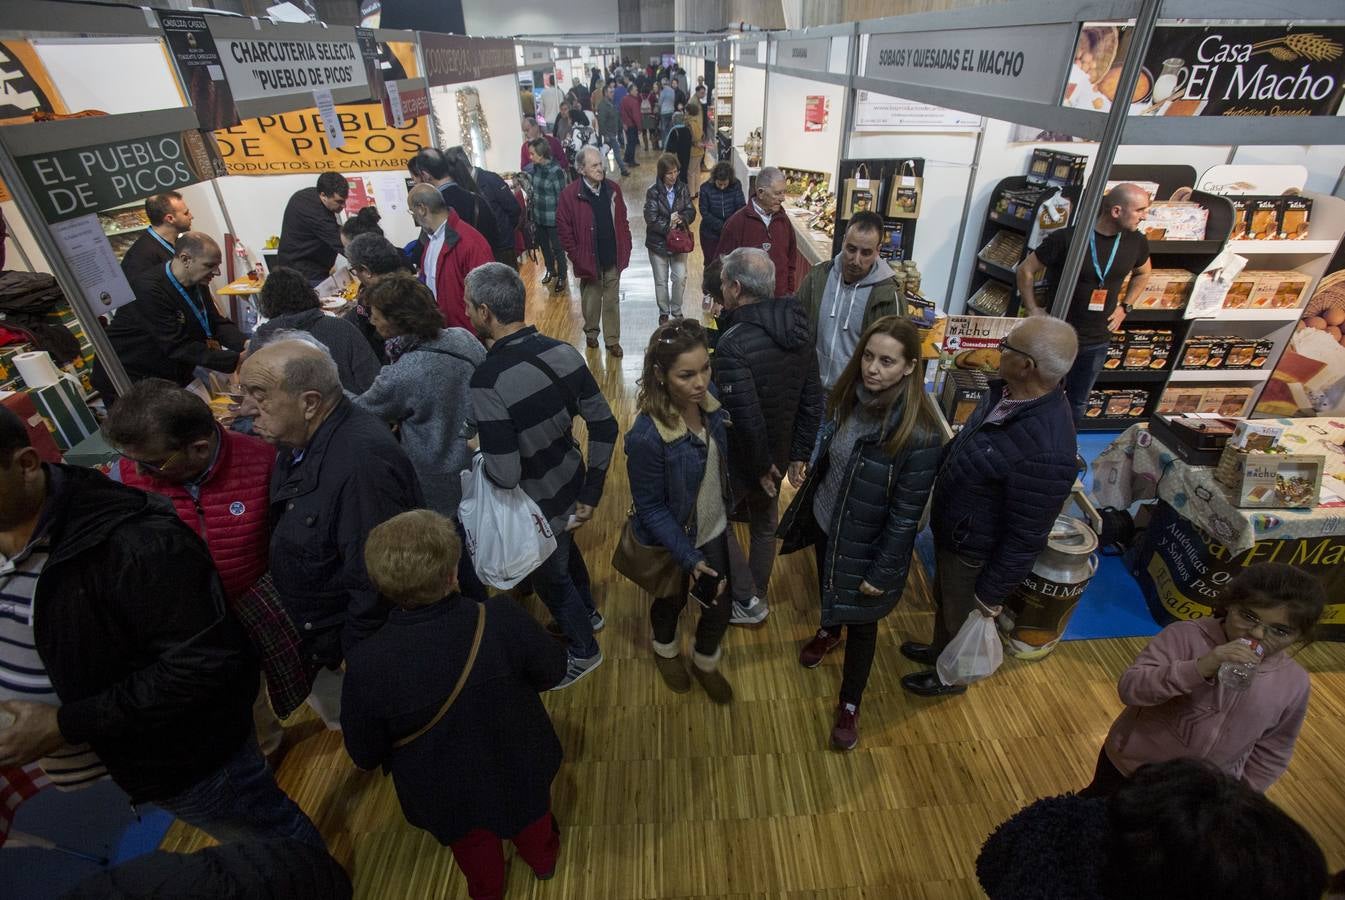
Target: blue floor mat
1112	606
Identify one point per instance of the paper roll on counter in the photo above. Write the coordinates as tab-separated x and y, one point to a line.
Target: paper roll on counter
38	371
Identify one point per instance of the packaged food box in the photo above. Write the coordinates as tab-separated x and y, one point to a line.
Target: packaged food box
1294	215
1261	356
1180	401
1225	401
1263	218
1241	352
1277	289
1196	353
1239	294
1241	217
1219	347
962	392
1250	435
1138	349
1116	350
1170	220
1162	348
1097	402
1272	480
1165	289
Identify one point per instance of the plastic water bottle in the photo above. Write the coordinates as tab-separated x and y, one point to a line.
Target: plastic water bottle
1236	676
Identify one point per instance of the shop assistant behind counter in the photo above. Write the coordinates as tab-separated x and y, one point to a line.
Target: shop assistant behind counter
310	237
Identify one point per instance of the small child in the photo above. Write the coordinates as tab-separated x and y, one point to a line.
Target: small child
1176	706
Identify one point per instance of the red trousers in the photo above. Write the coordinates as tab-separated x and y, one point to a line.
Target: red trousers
480	855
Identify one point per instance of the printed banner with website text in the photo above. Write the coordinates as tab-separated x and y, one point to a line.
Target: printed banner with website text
296	143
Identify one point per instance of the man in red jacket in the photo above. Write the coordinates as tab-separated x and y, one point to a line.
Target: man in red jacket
593	228
219	483
452	249
630	120
762	223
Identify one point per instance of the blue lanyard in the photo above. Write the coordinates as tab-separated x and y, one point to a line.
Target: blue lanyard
201	317
1092	245
167	246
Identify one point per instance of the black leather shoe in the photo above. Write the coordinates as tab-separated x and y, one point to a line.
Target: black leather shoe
920	653
927	684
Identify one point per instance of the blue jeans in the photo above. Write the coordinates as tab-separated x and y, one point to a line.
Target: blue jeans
664	126
241	801
1079	381
555	585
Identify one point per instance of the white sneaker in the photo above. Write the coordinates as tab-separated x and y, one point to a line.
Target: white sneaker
754	612
577	668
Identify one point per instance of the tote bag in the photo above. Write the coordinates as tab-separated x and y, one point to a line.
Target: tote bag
903	202
861	193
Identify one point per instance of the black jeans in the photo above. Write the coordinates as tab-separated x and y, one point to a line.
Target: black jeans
1107	779
632	141
714	620
1082	375
552	252
861	640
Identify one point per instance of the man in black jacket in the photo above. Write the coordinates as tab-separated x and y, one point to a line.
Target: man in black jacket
339	472
116	651
431	167
174	326
310	238
766	371
168	217
1002	482
496	194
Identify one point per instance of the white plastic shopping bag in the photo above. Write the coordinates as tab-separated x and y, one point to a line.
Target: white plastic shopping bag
973	653
507	534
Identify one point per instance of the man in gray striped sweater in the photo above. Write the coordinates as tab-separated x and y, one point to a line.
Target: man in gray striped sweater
524	399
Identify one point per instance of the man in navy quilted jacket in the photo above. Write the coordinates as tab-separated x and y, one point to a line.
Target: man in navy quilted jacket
1002	482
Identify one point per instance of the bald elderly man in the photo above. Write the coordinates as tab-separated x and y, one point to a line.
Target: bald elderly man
1116	249
338	473
174	326
1002	482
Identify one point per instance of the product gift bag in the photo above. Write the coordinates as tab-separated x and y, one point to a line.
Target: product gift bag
506	532
903	201
975	652
861	192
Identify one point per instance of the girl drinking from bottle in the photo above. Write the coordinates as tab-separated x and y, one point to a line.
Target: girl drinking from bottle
676	456
1243	719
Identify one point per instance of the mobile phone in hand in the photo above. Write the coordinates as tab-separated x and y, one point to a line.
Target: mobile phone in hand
705	588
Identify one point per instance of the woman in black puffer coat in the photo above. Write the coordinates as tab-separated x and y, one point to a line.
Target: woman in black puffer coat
861	502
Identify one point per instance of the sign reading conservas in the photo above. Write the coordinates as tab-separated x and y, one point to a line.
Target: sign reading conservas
262	64
1019	63
450	59
82	180
296	143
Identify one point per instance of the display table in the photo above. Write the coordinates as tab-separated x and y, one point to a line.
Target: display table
814	246
1197	541
1138	467
241	287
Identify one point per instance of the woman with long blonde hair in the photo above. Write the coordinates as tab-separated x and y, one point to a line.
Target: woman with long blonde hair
861	501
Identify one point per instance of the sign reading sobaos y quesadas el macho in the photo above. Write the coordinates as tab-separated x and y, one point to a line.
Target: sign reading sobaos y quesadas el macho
1215	70
296	143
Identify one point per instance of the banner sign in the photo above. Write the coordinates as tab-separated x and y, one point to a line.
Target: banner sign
878	112
82	180
1181	569
536	55
25	87
1215	70
1019	63
373	67
808	53
450	59
296	143
192	47
265	67
405	100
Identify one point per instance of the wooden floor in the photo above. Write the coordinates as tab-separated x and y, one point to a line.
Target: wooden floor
669	796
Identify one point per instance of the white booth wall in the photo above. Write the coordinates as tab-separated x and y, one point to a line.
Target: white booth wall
504	117
787	143
749	102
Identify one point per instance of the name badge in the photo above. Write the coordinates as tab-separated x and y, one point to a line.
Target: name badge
1097	301
766	246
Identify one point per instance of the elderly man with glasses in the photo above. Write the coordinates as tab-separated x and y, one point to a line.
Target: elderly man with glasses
1002	482
763	224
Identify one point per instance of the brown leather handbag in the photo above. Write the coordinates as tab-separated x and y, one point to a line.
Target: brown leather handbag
457	688
653	569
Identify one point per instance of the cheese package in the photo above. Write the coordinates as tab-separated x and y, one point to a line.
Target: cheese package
1165	289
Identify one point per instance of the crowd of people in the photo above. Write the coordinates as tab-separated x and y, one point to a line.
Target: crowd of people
313	553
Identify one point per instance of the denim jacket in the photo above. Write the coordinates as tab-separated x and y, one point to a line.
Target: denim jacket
665	465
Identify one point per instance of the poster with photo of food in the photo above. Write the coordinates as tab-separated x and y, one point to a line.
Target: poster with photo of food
1309	379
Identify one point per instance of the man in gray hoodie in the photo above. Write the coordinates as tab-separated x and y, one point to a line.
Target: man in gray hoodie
845	295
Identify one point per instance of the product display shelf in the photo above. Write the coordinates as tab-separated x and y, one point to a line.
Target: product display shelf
123	226
984	270
1190	255
1221	374
881	174
1133	376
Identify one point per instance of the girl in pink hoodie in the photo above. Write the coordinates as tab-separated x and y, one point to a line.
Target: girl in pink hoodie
1176	707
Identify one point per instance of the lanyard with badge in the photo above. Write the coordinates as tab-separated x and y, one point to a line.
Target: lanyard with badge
167	246
1097	300
201	317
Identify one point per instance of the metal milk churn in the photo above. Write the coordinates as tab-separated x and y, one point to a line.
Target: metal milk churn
1039	609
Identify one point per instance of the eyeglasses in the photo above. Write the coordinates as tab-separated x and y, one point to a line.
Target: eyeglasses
1251	620
1005	345
158	467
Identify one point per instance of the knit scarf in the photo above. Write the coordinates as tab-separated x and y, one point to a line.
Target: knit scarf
395	347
